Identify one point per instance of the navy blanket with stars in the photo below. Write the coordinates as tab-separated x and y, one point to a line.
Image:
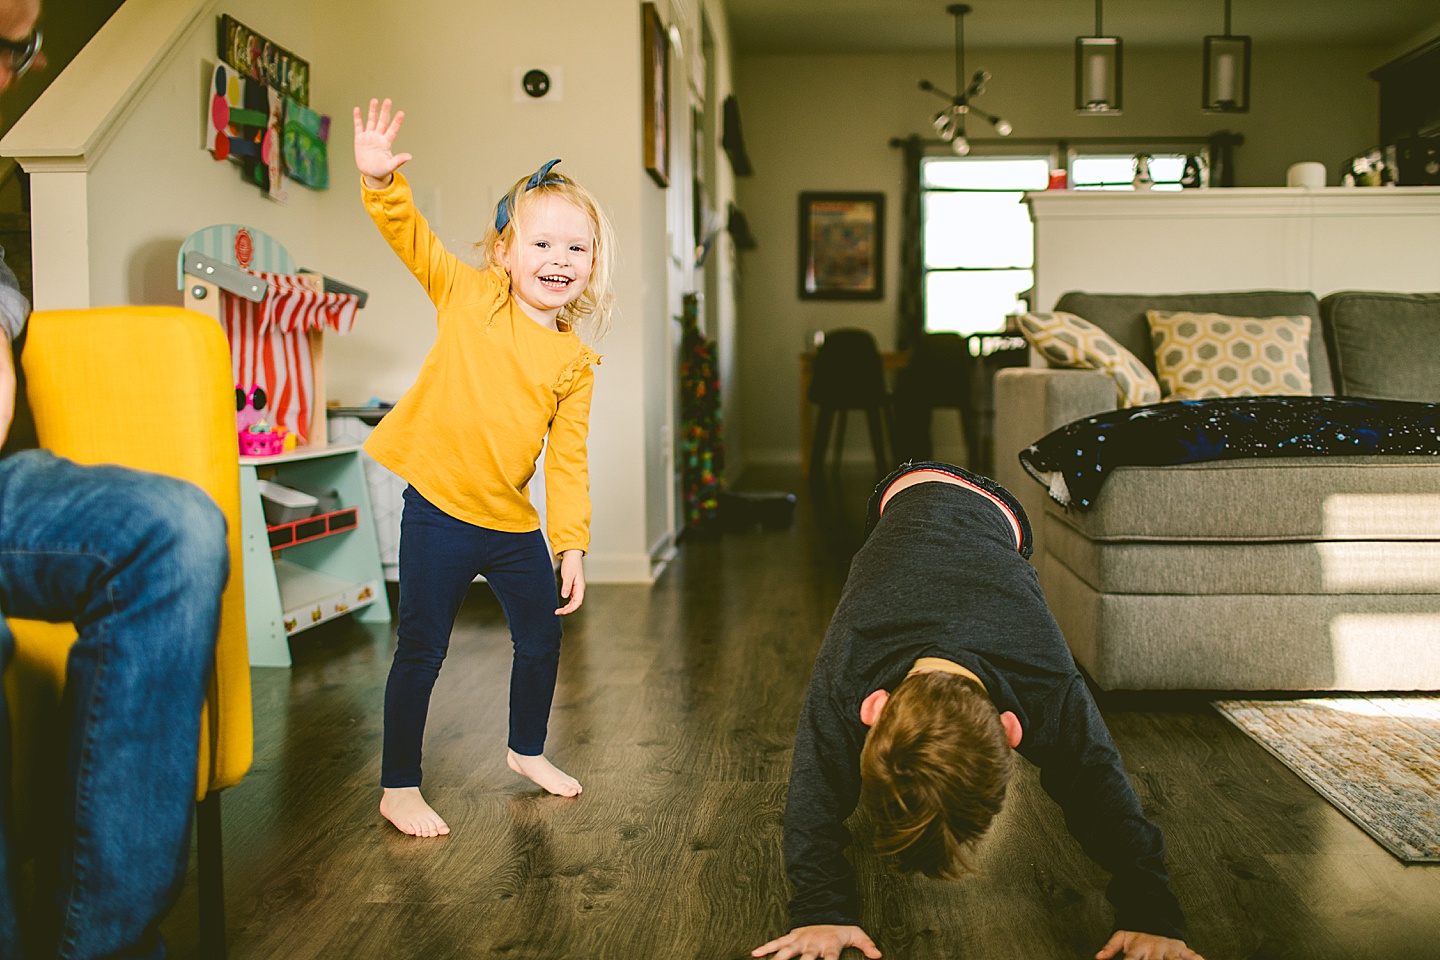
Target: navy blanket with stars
1074	460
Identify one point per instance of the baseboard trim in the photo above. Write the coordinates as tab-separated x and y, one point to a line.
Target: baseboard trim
661	554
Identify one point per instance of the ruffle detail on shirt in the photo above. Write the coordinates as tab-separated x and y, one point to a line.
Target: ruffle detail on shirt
502	297
566	377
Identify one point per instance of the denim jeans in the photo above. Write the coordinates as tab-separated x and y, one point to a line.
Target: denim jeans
137	562
439	558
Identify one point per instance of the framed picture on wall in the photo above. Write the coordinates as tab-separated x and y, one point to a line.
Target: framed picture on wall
655	83
842	246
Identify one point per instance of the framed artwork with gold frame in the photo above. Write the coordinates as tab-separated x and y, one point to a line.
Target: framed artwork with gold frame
842	246
656	86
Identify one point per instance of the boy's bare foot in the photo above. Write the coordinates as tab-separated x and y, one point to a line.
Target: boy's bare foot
404	807
545	773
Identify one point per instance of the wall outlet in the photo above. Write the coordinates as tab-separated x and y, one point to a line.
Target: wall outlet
538	84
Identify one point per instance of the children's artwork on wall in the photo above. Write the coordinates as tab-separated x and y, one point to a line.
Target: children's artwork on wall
254	90
271	177
243	122
304	146
260	59
231	130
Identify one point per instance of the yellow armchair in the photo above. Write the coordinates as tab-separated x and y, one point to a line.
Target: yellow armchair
148	388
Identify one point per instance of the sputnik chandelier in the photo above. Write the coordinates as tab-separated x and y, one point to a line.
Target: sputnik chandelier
949	123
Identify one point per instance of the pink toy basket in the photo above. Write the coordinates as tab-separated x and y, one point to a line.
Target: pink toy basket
262	444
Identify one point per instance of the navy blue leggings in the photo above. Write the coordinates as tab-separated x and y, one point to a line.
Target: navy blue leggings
439	558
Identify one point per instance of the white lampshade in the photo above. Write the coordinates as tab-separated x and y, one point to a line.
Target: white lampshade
1097	75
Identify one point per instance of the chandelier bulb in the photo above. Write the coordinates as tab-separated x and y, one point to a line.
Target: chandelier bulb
1003	127
961	146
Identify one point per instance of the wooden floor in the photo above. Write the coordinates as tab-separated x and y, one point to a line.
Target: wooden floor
676	707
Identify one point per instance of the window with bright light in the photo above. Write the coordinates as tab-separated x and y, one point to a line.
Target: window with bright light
977	241
1117	171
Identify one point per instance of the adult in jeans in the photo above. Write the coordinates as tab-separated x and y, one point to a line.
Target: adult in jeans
137	561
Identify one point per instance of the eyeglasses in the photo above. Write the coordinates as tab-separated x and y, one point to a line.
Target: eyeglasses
22	52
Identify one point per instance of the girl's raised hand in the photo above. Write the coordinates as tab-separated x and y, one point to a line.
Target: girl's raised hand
373	138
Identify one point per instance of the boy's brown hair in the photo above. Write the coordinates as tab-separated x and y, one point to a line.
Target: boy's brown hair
933	773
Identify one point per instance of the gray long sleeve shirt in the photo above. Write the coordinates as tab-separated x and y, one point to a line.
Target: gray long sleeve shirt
940	576
14	308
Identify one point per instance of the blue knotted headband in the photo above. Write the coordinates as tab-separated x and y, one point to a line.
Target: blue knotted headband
504	210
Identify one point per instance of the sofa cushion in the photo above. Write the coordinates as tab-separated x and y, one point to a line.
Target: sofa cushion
1384	345
1248	641
1187	568
1204	355
1122	315
1072	343
1290	498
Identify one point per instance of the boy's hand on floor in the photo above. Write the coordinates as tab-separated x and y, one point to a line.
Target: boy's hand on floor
1145	946
820	942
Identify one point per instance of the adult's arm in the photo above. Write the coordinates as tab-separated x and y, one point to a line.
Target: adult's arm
14	311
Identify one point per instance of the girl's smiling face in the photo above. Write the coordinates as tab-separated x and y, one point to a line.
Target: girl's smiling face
549	256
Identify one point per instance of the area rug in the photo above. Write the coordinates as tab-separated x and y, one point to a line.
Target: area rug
1375	758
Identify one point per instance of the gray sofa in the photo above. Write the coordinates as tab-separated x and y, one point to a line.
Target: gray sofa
1274	574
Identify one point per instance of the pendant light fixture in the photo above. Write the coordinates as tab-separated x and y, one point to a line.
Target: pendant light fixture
1226	86
1097	71
949	123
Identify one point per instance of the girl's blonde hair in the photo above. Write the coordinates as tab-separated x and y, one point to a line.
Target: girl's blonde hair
590	312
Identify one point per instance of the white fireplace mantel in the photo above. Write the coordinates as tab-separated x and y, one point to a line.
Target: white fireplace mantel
1336	238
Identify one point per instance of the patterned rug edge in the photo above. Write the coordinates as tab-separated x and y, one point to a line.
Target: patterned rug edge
1231	710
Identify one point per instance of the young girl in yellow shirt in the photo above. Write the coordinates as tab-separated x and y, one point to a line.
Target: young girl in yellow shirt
507	370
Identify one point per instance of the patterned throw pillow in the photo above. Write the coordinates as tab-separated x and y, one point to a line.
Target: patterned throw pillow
1073	343
1199	355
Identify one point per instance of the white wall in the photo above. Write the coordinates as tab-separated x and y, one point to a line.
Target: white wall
451	67
823	122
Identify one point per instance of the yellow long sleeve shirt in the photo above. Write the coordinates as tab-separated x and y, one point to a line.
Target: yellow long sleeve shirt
467	434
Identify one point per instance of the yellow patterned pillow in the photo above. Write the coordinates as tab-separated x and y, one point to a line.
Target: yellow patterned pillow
1199	355
1071	342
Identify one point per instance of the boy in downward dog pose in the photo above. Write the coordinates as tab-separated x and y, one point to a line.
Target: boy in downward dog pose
941	657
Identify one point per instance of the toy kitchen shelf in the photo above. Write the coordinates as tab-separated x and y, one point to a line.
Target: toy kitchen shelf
308	579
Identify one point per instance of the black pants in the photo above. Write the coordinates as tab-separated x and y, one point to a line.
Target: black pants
439	559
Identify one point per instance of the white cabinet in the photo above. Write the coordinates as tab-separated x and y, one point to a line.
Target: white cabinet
1240	238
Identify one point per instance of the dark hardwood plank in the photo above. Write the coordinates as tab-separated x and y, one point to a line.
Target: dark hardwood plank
676	708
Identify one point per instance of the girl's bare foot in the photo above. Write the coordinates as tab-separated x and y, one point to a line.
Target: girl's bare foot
404	807
545	773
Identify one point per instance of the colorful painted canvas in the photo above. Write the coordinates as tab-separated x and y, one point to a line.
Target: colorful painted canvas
233	128
304	150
